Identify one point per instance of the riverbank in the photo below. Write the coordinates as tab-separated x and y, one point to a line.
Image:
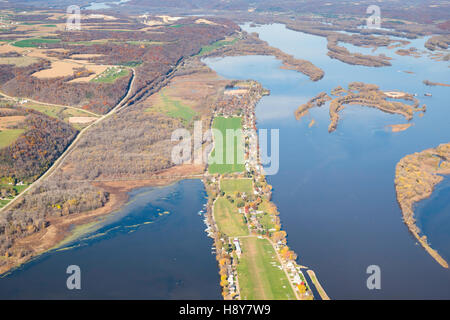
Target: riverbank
250	44
416	175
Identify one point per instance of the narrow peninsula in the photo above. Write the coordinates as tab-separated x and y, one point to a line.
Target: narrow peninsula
416	175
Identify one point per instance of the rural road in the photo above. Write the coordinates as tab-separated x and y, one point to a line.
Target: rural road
57	164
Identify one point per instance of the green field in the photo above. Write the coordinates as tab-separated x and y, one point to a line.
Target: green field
131	64
234	185
228	219
216	45
8	136
58	112
111	74
222	124
259	276
32	43
3	203
173	108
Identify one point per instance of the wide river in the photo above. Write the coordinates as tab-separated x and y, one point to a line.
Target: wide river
335	193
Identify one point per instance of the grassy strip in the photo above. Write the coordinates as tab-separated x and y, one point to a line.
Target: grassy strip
260	277
216	45
222	124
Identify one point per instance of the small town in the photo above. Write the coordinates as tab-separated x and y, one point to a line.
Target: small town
240	215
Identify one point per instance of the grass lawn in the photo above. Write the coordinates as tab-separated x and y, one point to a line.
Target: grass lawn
228	219
111	74
33	43
8	136
173	108
258	272
3	203
233	185
266	219
222	124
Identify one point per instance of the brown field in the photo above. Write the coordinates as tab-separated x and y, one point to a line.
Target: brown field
18	61
8	121
82	120
191	90
58	69
98	69
86	56
205	21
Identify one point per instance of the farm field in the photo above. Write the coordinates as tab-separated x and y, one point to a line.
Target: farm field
34	43
260	277
8	136
228	219
222	124
236	185
58	112
18	61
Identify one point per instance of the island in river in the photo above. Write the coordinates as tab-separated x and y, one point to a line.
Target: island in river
416	175
360	93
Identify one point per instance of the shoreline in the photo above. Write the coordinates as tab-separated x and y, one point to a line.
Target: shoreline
60	228
317	284
416	176
232	262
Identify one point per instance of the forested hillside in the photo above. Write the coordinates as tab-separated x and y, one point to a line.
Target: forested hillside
42	141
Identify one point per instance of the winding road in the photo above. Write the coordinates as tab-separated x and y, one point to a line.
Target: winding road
57	164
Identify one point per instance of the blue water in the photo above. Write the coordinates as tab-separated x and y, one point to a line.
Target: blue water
432	214
138	253
336	191
97	6
104	5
